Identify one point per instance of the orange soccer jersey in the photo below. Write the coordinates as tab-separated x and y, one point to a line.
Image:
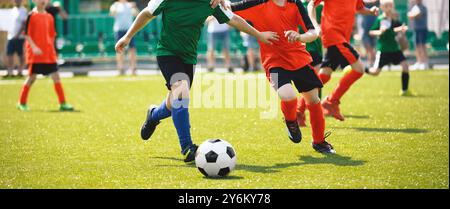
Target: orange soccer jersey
40	28
338	18
265	15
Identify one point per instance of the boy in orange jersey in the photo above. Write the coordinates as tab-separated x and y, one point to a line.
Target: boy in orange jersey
287	62
41	55
338	18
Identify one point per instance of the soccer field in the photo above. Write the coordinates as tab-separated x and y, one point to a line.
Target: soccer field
387	141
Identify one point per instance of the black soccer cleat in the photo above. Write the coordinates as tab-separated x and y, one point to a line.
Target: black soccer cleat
189	152
324	147
294	133
149	126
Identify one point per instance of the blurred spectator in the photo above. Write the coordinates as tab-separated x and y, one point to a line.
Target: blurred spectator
369	41
123	13
251	43
218	33
16	39
419	16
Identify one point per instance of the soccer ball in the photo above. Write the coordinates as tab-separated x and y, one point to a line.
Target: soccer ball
215	158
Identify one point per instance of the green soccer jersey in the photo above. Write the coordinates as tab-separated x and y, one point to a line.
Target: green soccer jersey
315	46
387	42
183	22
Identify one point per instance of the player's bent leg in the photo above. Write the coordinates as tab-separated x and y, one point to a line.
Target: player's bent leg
325	74
180	117
288	98
301	107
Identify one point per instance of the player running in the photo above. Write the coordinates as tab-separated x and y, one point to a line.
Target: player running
176	56
386	28
315	49
41	55
287	61
338	18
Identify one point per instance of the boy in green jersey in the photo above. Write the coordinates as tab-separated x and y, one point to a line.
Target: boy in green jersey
386	28
183	21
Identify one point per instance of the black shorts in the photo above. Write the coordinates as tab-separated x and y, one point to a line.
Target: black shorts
340	55
44	69
386	58
15	46
174	69
317	58
305	79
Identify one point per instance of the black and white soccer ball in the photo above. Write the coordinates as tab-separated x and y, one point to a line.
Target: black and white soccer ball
215	158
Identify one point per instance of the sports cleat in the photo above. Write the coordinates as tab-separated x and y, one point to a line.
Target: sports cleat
294	133
189	152
149	126
406	93
301	119
324	147
23	107
66	107
332	109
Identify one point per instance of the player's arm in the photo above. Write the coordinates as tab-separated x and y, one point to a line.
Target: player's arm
143	18
34	47
401	29
310	35
363	10
242	25
311	8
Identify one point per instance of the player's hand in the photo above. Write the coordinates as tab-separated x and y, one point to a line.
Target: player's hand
292	36
375	11
268	37
215	3
37	50
122	43
404	28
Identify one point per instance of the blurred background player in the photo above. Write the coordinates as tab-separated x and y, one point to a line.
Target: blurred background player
338	18
218	34
386	28
123	13
419	16
315	49
369	42
251	56
176	56
41	55
16	39
287	62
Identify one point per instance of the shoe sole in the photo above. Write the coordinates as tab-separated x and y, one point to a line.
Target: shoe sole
149	112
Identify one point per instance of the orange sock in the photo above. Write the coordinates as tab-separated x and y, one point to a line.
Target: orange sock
24	94
344	85
317	122
289	109
60	92
324	78
301	105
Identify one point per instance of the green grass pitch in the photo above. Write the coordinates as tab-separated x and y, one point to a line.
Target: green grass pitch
387	141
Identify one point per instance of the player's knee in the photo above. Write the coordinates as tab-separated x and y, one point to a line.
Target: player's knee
287	93
326	71
180	89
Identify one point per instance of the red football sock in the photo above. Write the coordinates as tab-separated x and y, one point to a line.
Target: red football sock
289	109
317	122
24	94
324	78
301	105
60	92
344	84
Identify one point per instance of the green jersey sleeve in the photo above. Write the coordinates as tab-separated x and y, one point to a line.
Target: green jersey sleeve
222	15
376	24
155	7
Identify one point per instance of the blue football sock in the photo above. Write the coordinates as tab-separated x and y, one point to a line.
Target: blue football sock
180	117
161	112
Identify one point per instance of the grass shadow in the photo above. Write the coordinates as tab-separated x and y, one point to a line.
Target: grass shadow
358	116
333	159
387	130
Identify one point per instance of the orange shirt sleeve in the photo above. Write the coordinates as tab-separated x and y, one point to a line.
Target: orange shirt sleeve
248	9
